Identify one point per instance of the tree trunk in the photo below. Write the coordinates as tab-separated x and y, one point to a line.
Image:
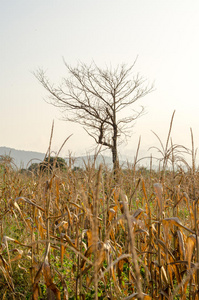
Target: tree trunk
114	150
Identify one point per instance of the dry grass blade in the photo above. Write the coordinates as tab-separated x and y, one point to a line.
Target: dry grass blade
51	136
63	144
169	133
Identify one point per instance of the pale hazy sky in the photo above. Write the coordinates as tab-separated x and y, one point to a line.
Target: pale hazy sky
38	33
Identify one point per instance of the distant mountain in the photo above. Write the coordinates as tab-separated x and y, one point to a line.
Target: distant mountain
22	158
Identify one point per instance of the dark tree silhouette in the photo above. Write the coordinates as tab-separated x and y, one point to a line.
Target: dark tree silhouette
99	99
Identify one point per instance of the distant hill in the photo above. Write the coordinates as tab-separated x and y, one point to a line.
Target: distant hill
21	157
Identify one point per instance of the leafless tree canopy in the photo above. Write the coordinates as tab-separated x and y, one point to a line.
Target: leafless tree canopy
100	100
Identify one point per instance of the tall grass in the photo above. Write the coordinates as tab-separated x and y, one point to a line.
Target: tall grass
78	234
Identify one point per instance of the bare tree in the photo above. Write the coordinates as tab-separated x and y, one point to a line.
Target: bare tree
100	100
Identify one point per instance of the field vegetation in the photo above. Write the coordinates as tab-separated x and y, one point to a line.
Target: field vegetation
92	233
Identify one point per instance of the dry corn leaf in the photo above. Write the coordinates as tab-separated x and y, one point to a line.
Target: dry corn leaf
22	268
164	275
45	268
5	268
89	251
90	237
176	269
121	222
164	294
65	296
29	202
57	183
69	215
21	214
190	244
40	225
142	231
144	189
112	236
99	262
111	214
35	294
165	248
63	224
50	182
158	191
121	262
166	231
170	273
138	213
116	285
184	289
18	256
175	221
181	244
5	244
7	238
8	278
68	239
77	205
62	249
49	280
135	295
4	295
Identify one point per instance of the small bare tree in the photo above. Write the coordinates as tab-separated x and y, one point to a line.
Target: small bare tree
100	100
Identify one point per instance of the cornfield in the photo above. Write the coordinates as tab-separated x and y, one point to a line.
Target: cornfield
94	234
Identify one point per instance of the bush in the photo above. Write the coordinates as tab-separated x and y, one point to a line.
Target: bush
51	163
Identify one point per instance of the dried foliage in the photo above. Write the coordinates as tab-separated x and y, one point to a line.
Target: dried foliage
75	234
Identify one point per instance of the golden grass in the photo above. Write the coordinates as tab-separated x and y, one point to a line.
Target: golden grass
86	234
79	235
